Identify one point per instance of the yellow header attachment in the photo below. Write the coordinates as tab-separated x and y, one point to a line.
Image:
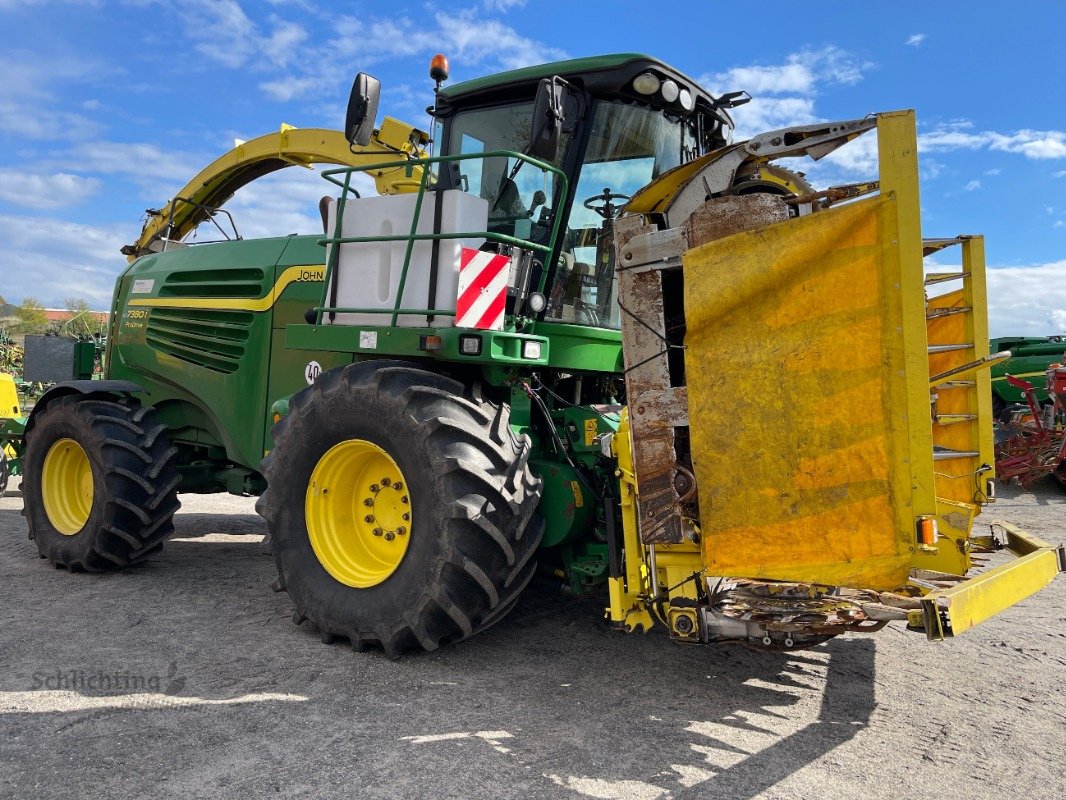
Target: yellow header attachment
817	464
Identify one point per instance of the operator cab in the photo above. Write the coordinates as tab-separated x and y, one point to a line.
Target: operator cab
614	124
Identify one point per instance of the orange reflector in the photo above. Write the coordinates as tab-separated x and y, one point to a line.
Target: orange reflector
927	531
277	417
430	343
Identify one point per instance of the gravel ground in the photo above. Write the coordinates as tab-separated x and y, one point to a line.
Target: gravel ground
215	693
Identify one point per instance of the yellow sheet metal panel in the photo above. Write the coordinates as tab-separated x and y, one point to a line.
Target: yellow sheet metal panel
796	363
9	398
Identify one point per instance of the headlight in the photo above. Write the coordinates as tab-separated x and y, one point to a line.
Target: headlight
646	83
531	351
470	345
670	91
537	302
687	101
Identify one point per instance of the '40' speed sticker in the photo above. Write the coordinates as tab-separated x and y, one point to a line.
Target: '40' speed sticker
312	371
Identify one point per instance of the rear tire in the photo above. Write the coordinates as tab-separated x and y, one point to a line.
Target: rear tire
99	483
467	553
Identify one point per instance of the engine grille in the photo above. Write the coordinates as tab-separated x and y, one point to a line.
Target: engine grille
208	338
214	283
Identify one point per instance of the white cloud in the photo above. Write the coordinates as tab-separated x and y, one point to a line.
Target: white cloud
1032	144
221	30
282	46
972	186
28	106
287	88
1061	173
916	39
44	191
466	36
141	161
993	171
1027	301
51	259
800	74
223	33
769	113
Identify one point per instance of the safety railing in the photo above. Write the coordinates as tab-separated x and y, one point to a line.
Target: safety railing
342	177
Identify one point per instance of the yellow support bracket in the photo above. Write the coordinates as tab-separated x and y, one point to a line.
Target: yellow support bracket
949	612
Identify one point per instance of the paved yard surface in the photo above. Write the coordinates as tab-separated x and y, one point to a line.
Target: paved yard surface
185	677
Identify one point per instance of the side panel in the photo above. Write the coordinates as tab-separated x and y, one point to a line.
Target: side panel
193	327
797	363
292	370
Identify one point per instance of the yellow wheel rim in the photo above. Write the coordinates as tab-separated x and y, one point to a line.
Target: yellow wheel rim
358	513
67	486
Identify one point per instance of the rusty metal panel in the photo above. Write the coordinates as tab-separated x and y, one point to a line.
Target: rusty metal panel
644	350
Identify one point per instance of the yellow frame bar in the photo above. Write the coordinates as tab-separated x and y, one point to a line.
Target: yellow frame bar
949	612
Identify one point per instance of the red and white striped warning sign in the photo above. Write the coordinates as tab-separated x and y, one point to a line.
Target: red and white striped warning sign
482	290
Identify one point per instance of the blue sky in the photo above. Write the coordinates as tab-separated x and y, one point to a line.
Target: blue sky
108	107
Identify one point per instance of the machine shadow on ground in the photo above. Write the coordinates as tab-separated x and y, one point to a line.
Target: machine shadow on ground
577	701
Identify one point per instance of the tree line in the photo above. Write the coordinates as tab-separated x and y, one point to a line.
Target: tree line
28	317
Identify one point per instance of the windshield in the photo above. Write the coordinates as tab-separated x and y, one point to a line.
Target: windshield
629	146
519	202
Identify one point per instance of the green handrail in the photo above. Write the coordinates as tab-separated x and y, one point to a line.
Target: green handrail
345	186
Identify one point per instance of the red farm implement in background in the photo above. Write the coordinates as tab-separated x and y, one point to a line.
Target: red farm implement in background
1032	443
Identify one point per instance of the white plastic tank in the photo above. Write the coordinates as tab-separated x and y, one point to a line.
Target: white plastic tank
368	274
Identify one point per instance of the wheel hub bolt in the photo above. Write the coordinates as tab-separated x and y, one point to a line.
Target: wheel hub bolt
404	499
389	536
369	501
406	516
385	481
378	531
369	517
398	486
401	530
375	488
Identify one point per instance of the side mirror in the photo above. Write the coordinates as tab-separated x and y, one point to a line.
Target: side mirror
362	109
548	119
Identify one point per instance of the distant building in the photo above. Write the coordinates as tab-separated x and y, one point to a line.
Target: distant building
62	315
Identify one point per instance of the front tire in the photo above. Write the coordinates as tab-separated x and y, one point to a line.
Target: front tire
430	563
99	483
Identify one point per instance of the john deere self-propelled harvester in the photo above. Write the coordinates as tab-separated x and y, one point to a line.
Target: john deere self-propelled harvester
589	337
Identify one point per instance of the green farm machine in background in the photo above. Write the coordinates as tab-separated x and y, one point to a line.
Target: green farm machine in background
1030	358
435	403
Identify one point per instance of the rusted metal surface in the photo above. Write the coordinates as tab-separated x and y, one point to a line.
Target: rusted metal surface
645	350
653	327
724	216
835	194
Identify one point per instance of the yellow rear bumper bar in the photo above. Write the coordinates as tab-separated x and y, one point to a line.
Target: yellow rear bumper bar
949	612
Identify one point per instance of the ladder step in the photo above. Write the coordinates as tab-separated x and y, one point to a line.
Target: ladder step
946	453
956	385
930	246
940	277
936	313
948	348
